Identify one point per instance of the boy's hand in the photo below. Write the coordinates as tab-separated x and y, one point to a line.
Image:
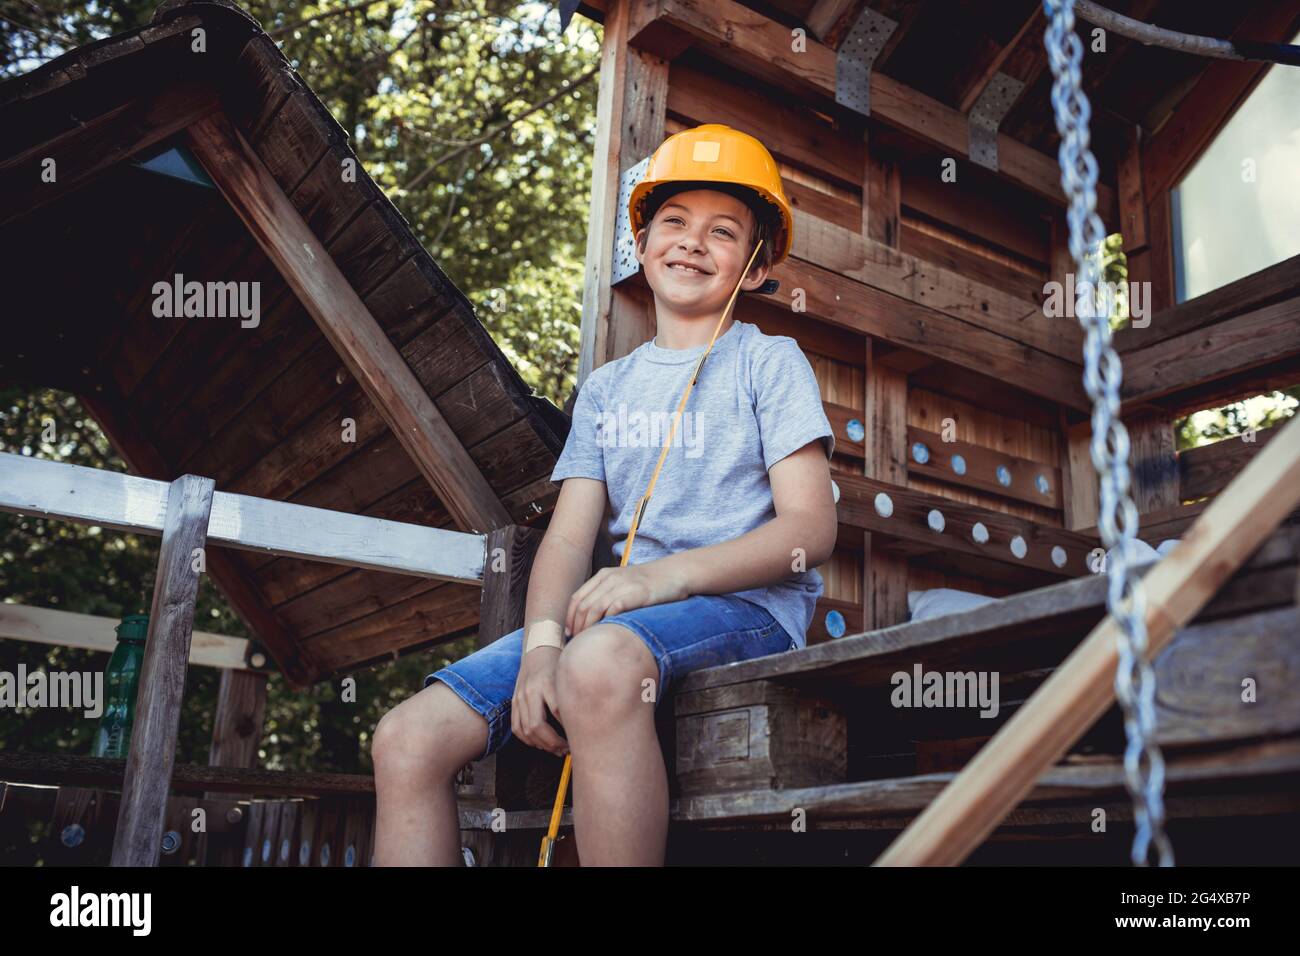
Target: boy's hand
614	590
534	692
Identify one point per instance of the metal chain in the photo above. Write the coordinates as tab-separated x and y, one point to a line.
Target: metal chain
1135	684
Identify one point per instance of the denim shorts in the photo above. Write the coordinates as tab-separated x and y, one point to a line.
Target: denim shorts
705	630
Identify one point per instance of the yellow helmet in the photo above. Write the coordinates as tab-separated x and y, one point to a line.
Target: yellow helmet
714	153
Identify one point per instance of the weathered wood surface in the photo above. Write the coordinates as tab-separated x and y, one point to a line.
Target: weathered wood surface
346	322
129	503
162	675
41	625
1082	689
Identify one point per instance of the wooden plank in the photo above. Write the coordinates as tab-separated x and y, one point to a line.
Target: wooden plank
1080	489
40	625
1259	337
1083	688
884	575
345	320
833	298
72	770
237	723
881	194
1132	195
1153	461
876	264
510	554
1022	57
981	466
663	27
162	674
1087	783
1265	287
1206	470
128	503
911	514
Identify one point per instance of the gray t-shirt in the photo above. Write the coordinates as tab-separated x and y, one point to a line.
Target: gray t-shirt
756	401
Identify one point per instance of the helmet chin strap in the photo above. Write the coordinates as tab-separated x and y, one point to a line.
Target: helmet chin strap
549	840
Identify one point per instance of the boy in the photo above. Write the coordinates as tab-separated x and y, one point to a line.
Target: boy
721	562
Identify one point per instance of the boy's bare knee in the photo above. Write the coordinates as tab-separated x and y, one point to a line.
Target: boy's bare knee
605	666
434	730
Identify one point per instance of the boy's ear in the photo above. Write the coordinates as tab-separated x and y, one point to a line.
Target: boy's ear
640	244
757	276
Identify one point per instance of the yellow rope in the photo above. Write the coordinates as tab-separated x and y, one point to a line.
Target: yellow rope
548	841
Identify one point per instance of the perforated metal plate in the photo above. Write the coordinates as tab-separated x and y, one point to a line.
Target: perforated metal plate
625	263
862	44
987	115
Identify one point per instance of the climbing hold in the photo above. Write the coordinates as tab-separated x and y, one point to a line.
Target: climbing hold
1058	556
1018	547
73	834
959	464
884	506
979	533
1004	476
855	430
835	626
835	491
935	520
1044	487
920	453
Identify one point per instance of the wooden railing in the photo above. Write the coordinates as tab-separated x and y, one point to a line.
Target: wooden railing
188	513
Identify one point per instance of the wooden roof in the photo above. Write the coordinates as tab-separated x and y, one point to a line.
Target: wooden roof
261	410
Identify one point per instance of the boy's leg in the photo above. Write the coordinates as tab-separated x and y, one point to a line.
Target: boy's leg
418	749
620	783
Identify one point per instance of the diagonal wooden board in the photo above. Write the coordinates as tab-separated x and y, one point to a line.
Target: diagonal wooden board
1082	688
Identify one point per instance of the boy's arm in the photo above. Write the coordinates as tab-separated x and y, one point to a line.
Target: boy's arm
803	531
563	560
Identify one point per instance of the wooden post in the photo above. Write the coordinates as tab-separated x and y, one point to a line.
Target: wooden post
237	726
507	564
630	112
884	575
162	678
1082	688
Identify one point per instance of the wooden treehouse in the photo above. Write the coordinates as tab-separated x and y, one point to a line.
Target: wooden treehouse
929	223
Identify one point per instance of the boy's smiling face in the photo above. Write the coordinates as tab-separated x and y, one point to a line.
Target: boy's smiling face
693	251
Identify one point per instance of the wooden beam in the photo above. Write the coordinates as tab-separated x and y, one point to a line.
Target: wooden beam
337	308
887	509
41	625
1257	338
129	503
660	25
630	113
857	256
237	724
1207	469
979	469
510	553
884	575
1082	689
853	305
1268	285
138	841
1080	492
1022	57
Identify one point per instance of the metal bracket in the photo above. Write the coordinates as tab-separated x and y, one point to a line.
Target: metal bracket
625	263
986	116
853	60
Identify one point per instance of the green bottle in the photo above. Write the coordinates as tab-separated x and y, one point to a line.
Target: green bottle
113	739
